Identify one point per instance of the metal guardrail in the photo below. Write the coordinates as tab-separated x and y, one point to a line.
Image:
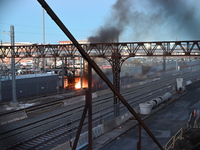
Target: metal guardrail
172	141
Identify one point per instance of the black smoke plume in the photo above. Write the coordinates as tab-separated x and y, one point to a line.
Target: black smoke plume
151	20
181	16
116	23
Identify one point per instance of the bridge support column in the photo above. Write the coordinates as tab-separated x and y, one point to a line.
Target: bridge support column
164	63
116	69
63	72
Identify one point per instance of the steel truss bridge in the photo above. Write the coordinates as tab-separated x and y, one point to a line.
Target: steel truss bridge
119	50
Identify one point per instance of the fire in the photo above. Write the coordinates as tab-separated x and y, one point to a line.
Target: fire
78	83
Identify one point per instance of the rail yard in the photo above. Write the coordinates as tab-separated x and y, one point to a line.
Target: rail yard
55	120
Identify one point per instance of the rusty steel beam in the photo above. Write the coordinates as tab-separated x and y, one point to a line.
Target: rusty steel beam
89	105
131	49
139	143
116	63
96	68
80	127
87	108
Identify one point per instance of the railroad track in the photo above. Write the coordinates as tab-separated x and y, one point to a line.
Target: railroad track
103	110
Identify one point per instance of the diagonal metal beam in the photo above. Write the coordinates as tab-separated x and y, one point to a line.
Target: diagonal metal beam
96	68
80	127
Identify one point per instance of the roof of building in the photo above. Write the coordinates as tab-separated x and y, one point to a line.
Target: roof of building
5	78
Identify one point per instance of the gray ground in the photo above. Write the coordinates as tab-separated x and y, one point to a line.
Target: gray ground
164	124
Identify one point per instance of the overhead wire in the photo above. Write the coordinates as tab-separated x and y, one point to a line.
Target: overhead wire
83	36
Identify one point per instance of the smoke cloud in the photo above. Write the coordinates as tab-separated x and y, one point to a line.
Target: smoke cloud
115	24
145	20
173	19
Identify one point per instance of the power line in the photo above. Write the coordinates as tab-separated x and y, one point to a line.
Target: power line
30	26
31	33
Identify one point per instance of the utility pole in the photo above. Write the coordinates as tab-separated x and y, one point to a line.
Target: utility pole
43	26
14	101
43	38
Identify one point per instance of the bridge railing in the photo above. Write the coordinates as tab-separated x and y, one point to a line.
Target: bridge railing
172	141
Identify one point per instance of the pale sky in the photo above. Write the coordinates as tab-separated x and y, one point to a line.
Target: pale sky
147	20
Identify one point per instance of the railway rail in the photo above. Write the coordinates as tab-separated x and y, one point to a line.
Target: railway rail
63	124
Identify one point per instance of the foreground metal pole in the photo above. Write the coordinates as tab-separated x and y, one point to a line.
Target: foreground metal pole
139	143
79	128
89	104
96	68
0	88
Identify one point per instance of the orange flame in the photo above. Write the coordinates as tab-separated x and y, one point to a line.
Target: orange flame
78	83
